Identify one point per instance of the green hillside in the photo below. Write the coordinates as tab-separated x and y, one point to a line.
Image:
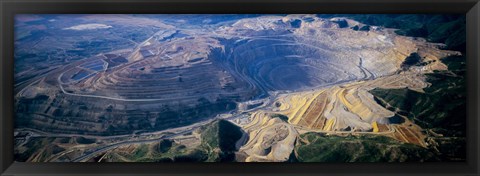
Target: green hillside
317	147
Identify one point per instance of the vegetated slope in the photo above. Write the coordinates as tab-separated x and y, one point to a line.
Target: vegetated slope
165	150
30	151
317	147
46	149
441	110
218	140
432	110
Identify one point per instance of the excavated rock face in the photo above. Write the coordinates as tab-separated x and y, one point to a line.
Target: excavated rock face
298	87
293	53
322	52
271	139
164	81
300	51
181	75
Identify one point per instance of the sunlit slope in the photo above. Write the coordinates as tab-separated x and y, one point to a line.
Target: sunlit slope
315	51
271	138
217	143
352	108
440	110
313	147
166	80
287	87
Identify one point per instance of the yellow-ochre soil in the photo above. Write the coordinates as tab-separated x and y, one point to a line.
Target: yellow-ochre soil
352	109
346	108
271	139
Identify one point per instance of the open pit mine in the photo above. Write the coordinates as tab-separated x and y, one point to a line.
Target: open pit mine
227	88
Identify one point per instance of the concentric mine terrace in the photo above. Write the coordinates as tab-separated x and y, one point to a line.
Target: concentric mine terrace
269	81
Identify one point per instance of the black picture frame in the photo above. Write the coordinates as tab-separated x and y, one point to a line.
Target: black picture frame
8	8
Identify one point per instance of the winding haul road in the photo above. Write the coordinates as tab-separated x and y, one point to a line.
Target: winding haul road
94	152
268	103
97	151
102	149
